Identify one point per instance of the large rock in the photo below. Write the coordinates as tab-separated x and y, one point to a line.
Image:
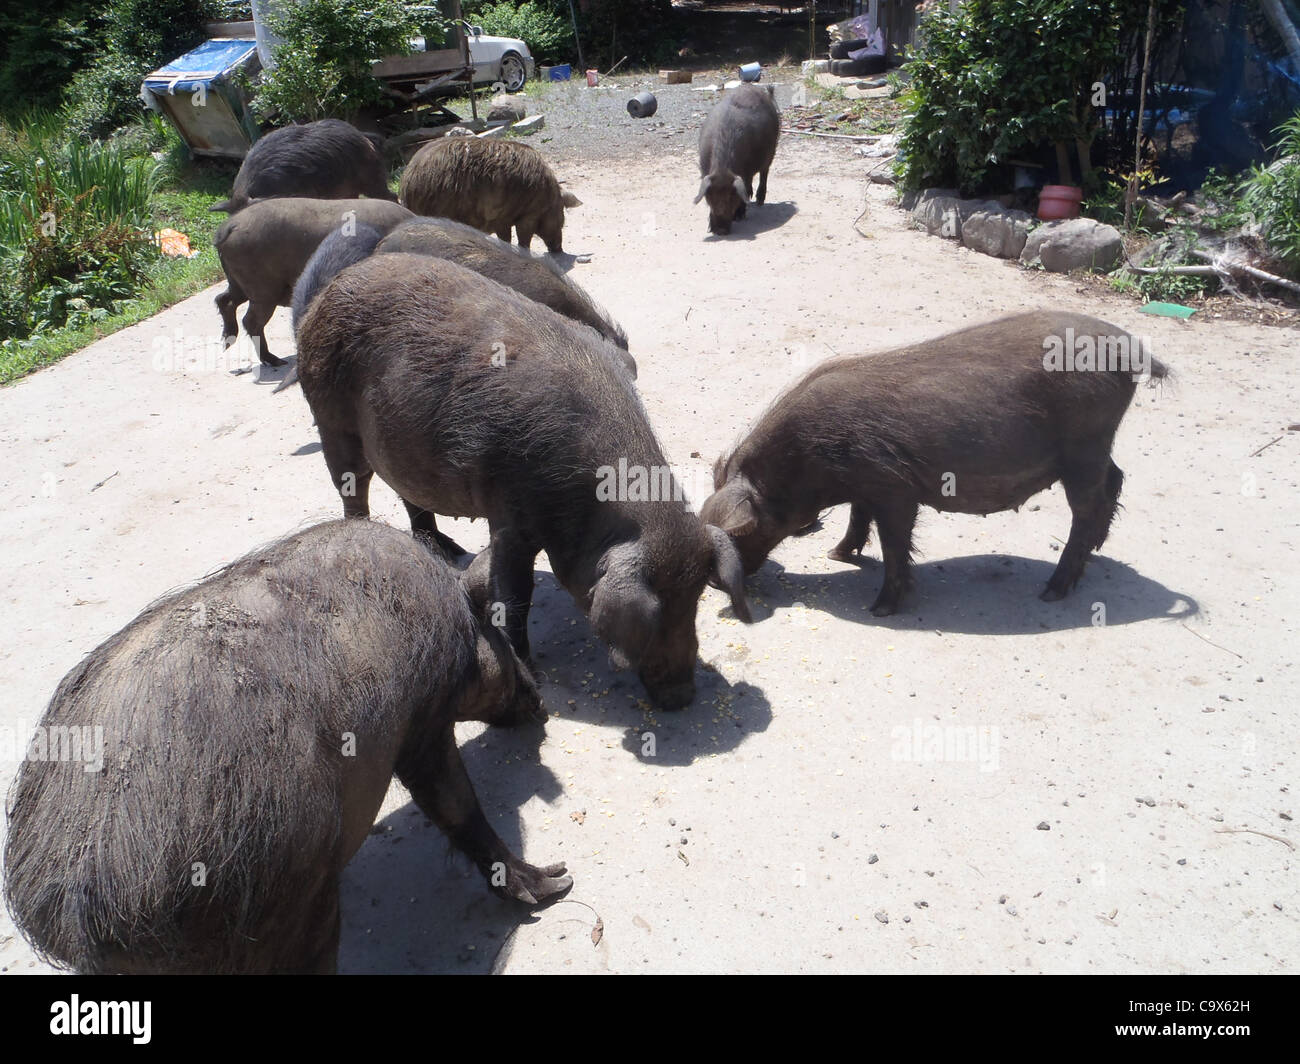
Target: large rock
1072	244
909	200
504	108
939	215
994	230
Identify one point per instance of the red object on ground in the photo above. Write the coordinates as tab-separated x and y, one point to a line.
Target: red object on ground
1059	201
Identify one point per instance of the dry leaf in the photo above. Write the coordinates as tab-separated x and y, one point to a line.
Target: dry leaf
579	816
597	932
685	860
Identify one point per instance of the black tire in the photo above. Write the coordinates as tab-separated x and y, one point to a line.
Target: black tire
841	49
856	68
512	67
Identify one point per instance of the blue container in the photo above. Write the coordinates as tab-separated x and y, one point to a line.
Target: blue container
751	72
561	73
200	94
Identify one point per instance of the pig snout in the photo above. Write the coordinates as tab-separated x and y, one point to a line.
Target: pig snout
669	675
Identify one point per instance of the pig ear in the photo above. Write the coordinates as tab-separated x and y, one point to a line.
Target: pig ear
704	187
624	611
731	508
570	200
740	189
475	581
728	574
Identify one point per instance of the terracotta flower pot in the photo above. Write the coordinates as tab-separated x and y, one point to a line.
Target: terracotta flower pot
1059	201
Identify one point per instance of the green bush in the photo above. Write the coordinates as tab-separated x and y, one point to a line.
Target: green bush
323	61
44	46
996	78
74	225
1265	202
138	36
547	33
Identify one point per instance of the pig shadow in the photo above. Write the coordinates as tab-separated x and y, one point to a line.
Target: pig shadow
577	683
274	374
981	594
759	218
412	903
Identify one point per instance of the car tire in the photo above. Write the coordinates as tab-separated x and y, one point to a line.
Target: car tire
513	72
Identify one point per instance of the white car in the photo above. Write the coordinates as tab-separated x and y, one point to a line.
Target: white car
502	59
495	59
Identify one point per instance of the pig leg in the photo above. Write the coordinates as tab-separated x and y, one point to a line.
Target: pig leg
526	230
510	581
351	473
255	319
762	187
432	770
424	524
227	303
503	234
1093	500
894	523
856	537
324	960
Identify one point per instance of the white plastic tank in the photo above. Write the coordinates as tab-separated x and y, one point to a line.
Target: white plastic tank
266	40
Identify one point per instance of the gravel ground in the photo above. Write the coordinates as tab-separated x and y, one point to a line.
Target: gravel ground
593	124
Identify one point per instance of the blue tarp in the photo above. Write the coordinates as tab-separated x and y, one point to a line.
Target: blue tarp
206	63
202	96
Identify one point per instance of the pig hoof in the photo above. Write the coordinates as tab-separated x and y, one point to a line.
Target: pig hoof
843	554
1052	594
884	608
531	885
271	360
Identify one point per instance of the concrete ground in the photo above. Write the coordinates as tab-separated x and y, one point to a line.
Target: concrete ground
981	783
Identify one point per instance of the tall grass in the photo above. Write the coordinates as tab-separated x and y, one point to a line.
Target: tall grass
74	225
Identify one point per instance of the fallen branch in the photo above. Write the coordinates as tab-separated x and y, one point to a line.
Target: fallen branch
1266	446
614	67
1210	641
1194	271
1276	838
1261	275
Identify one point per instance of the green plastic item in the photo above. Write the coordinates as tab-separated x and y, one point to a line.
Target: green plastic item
1168	310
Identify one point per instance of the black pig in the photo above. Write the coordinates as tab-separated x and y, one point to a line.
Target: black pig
737	141
972	422
250	727
471	400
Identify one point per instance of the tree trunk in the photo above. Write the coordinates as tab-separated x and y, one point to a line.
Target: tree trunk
1064	175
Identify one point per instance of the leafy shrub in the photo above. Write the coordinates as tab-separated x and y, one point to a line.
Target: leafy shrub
323	61
44	46
138	36
994	78
1265	202
74	223
546	31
